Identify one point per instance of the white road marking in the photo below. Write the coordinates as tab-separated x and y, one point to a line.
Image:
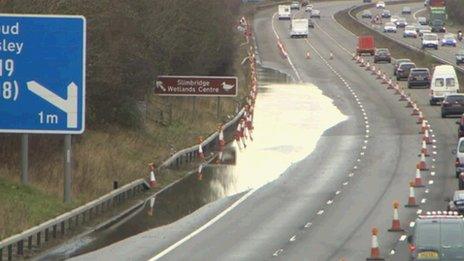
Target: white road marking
402	238
276	253
423	200
351	174
330	202
345	183
416	12
308	225
412	224
320	212
292	238
419	211
427	191
288	57
208	224
392	252
430	182
432	173
338	192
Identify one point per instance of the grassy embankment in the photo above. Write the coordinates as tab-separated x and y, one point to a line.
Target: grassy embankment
128	127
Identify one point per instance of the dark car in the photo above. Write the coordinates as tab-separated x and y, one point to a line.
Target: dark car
310	23
382	54
460	57
403	70
367	1
398	62
457	203
419	77
401	23
452	105
438	235
386	14
460	123
366	14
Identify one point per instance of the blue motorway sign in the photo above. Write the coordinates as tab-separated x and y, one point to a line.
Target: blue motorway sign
42	74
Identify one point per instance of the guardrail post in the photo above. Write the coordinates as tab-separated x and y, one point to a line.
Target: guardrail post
20	248
63	228
54	231
29	243
10	252
39	238
46	234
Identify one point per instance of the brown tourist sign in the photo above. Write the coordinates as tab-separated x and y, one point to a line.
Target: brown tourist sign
196	85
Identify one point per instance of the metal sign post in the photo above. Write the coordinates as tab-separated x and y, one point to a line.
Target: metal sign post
42	77
67	168
24	158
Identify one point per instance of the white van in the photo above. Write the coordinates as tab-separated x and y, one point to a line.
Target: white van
444	82
284	12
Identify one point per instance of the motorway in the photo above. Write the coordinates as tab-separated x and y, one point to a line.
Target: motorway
446	53
323	207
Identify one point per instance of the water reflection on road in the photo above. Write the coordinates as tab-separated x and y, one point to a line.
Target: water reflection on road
289	119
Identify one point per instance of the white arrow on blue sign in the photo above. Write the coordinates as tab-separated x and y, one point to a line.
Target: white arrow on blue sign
42	74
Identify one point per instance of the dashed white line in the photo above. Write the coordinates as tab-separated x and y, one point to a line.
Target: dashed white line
412	224
423	200
419	211
430	182
308	225
293	238
278	252
330	202
402	238
320	212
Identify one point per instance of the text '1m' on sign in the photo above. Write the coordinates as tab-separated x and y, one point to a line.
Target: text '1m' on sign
42	74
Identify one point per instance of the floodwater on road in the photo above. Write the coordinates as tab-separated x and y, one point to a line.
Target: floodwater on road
288	121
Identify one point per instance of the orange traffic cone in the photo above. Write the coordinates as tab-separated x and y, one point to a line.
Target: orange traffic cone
415	110
374	70
153	182
412	196
368	66
424	149
396	227
152	206
420	118
201	155
423	127
426	137
375	249
418	179
384	79
403	96
221	140
379	74
409	105
397	89
200	172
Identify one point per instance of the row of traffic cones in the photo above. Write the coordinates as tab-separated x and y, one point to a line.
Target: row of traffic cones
421	166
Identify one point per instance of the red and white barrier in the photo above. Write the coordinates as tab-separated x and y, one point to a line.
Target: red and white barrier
152	181
418	179
412	197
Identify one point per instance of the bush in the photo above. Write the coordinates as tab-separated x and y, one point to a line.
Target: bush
455	10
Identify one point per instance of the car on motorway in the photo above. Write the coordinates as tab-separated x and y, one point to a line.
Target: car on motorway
385	14
460	57
382	54
444	82
453	104
394	18
366	14
430	40
422	20
406	10
457	202
295	5
424	29
438	235
460	124
389	27
367	1
449	40
309	8
310	23
459	163
401	22
315	14
380	5
398	62
419	77
410	31
403	70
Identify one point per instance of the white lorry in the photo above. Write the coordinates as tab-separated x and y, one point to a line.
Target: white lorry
284	12
299	28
